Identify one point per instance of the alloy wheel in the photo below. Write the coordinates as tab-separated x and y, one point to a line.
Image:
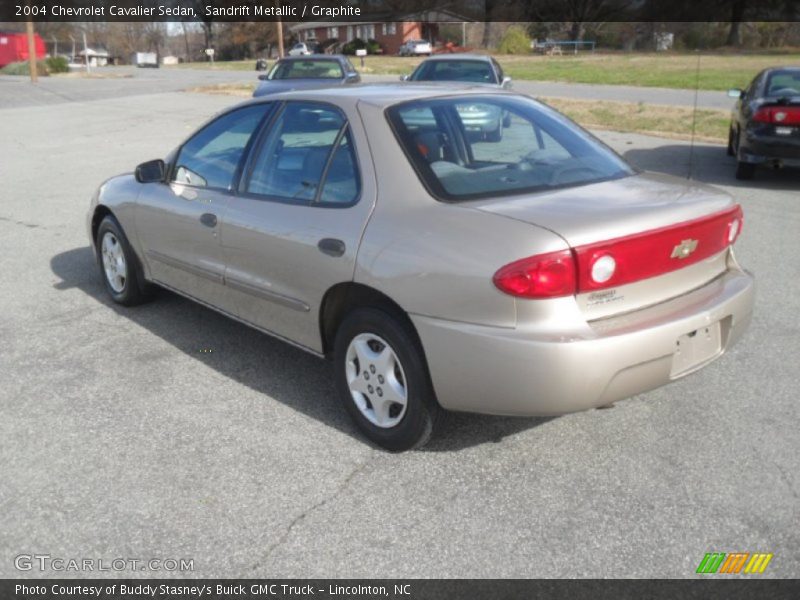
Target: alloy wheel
114	264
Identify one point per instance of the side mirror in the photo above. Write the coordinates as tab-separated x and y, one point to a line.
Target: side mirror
404	77
506	83
263	77
152	171
734	93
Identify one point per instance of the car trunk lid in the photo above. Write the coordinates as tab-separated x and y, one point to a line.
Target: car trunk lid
666	236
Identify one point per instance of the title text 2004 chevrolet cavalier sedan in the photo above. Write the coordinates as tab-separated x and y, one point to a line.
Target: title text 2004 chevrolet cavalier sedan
535	275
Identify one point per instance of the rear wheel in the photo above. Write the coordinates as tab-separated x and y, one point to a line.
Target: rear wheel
383	381
731	149
496	135
744	170
119	266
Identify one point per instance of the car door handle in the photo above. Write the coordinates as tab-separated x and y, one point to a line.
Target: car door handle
208	219
331	246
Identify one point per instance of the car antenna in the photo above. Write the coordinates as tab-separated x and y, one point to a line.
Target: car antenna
694	113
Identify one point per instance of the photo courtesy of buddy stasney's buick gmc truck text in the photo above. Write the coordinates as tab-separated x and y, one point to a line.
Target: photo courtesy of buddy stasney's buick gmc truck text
202	590
441	263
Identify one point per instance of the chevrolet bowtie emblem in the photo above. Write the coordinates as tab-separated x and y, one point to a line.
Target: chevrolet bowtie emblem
684	249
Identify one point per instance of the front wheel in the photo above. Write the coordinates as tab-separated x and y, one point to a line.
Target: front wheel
383	381
119	266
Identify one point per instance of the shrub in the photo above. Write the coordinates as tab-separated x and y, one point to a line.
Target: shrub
23	68
515	41
353	45
57	64
371	46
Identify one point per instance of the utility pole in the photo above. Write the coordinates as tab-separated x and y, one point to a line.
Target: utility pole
86	54
279	26
32	52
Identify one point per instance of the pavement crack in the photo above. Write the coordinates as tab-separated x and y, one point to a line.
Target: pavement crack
314	507
22	223
786	480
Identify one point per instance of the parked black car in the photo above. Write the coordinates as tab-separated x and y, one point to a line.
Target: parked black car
765	124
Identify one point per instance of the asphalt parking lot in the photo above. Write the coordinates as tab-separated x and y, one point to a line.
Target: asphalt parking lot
168	431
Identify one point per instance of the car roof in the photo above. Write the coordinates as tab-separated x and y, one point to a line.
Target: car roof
383	95
460	56
339	57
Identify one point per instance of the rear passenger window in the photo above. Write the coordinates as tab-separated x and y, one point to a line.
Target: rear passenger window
307	157
341	185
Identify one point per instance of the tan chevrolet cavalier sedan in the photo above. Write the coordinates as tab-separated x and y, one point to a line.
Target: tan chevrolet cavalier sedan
532	273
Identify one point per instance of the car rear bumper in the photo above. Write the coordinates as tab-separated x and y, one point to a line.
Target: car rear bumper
508	372
759	149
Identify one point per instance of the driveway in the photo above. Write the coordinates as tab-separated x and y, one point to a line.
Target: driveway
170	431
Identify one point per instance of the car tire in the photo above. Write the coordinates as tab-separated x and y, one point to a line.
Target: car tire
383	381
731	149
496	135
745	170
119	266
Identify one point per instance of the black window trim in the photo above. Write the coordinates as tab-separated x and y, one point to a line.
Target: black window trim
263	134
172	167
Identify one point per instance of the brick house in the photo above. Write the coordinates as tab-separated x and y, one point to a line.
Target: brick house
389	34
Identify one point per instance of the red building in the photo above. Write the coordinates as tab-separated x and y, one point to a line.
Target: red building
389	34
14	47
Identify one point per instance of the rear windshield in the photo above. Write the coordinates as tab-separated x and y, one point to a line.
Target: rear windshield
481	146
306	69
475	71
783	83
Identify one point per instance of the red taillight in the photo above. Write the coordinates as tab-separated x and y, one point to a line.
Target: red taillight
542	276
622	260
656	252
778	115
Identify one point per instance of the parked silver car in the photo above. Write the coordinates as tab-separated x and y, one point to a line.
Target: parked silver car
474	69
416	48
305	73
537	275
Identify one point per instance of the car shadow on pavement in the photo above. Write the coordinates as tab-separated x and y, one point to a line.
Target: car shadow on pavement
260	362
709	164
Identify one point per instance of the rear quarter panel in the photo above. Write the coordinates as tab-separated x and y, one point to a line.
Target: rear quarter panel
433	258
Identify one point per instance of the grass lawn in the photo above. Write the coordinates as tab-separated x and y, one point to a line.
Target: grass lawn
670	70
653	119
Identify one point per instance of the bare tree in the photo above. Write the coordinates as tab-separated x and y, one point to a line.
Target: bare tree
578	12
737	13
